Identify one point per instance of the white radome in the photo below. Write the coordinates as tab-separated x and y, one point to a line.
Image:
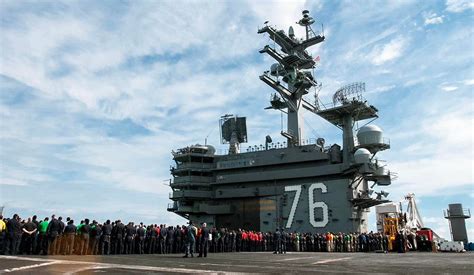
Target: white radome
362	155
369	134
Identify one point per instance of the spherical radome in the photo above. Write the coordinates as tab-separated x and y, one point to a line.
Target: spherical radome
362	155
369	128
211	149
369	134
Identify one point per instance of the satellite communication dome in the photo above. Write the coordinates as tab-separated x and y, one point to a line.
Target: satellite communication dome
362	155
203	149
210	150
369	134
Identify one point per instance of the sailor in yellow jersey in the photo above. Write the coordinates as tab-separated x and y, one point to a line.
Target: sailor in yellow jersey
3	229
3	225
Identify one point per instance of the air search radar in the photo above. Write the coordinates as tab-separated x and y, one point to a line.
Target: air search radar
306	20
233	132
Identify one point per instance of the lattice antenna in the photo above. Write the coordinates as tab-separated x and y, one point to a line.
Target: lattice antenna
351	92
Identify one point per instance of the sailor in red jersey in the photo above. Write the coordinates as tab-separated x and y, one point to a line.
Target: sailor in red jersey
245	238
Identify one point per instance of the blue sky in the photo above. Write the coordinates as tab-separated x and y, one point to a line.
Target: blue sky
94	95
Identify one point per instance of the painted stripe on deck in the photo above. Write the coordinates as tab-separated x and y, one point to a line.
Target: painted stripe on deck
150	268
27	267
297	258
97	265
27	258
332	260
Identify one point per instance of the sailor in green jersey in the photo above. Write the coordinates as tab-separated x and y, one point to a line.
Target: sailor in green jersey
78	229
43	226
42	237
77	240
347	239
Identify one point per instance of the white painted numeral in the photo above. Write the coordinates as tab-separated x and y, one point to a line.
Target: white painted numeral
296	188
312	204
317	204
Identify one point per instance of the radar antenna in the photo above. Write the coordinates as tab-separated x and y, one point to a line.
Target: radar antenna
233	132
306	22
349	92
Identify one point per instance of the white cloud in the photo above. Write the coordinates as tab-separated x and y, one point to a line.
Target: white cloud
441	155
459	5
381	89
178	96
9	181
433	19
468	82
449	88
281	14
383	53
439	225
93	59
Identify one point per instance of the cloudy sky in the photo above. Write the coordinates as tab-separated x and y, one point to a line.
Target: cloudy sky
95	94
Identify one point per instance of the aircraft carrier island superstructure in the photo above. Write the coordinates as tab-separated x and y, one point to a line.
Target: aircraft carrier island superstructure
295	185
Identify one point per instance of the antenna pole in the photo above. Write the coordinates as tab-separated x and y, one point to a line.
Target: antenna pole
293	63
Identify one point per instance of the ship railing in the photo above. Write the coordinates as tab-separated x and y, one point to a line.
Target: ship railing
190	179
191	165
371	140
272	146
190	194
329	105
464	213
261	147
192	150
173	205
277	145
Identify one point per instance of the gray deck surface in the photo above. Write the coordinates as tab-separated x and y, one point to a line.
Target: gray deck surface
247	262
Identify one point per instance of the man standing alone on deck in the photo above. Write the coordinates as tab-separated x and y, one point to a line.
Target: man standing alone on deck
277	241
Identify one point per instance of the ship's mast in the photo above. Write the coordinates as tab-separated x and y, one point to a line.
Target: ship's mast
293	67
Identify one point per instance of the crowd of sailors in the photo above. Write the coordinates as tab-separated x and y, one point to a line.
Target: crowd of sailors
55	236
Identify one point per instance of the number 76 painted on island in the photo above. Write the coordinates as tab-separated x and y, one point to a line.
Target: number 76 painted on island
312	204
